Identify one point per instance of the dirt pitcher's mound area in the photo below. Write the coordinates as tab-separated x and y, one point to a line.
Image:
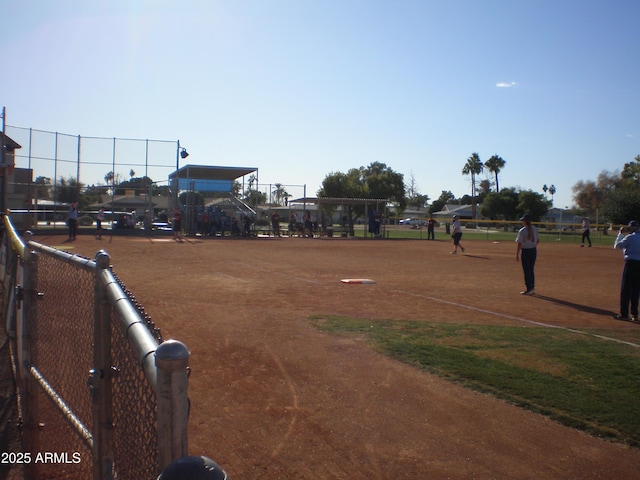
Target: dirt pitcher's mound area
273	398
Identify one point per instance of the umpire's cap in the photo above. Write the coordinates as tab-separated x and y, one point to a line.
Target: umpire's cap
193	468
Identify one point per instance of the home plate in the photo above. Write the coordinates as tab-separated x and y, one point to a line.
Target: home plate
357	281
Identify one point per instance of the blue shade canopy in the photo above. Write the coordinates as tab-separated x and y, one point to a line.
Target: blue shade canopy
205	185
207	178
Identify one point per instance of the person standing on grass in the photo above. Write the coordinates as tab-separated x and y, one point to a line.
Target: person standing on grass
431	225
527	240
456	234
630	285
586	231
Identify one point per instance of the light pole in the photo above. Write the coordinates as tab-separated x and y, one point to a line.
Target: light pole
560	230
560	227
181	152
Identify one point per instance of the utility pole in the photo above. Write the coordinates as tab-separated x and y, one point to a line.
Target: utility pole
3	180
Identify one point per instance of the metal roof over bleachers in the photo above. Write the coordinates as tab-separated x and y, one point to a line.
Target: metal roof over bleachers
211	172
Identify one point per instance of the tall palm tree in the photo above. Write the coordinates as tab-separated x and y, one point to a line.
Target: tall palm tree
473	167
495	164
280	194
552	191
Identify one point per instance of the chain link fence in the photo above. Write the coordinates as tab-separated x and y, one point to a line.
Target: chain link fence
101	396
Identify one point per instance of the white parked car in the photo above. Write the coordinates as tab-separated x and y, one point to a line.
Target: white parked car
415	222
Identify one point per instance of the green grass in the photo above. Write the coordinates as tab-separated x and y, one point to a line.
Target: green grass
398	232
577	379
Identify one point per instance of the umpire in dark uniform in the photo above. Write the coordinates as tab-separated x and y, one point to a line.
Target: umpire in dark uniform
629	243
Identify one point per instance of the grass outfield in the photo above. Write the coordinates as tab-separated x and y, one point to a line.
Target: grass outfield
586	380
492	234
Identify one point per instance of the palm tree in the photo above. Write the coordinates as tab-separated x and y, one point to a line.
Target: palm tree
552	191
280	194
495	164
473	167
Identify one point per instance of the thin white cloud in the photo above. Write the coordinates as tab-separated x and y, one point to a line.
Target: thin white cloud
505	84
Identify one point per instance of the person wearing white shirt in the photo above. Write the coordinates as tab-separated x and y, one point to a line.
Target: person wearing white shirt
456	234
72	221
527	240
630	284
586	231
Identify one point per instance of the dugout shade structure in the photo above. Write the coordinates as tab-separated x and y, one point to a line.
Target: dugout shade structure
343	215
206	179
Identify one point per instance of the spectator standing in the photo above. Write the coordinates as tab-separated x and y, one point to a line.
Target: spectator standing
630	284
99	219
586	231
527	251
456	234
308	224
275	224
293	220
246	225
148	222
431	225
72	221
372	221
176	225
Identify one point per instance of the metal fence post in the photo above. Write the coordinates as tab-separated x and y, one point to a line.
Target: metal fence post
172	363
100	377
27	336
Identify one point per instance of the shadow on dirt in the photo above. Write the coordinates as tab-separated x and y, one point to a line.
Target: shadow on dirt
576	306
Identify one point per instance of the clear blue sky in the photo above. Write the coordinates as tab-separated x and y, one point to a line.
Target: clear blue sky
302	88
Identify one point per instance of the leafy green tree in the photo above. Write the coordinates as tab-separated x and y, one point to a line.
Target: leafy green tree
623	205
42	188
500	206
444	198
532	203
191	199
254	197
139	185
473	167
381	181
466	199
374	181
631	173
67	190
418	201
495	164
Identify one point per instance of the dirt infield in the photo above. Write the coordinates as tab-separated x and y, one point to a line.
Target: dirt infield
273	398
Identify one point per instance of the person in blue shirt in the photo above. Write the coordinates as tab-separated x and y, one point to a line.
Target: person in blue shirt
630	284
